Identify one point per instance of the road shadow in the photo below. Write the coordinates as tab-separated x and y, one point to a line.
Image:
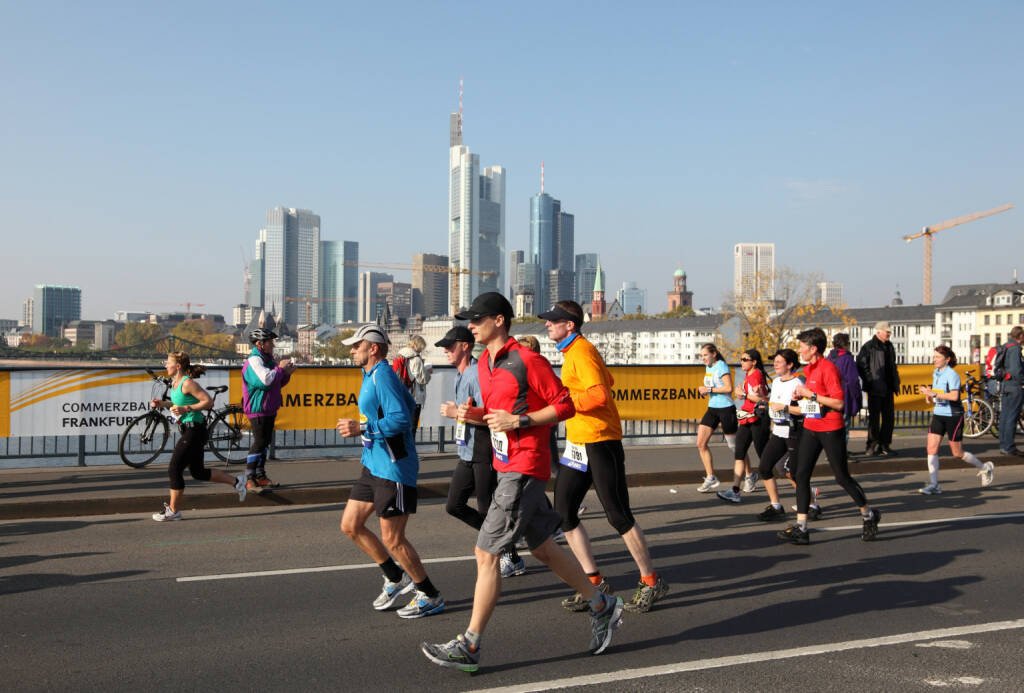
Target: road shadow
29	528
7	562
31	582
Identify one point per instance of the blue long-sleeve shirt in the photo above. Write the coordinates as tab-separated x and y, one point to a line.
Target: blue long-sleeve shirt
389	451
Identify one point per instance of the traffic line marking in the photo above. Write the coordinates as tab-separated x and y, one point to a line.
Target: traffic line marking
753	657
910	523
318	569
203	541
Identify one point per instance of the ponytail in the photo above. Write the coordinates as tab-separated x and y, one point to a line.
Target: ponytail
182	359
946	353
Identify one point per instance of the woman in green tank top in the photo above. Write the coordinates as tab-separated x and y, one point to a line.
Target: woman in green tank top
188	400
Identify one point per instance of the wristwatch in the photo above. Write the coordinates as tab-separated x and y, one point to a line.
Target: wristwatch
814	397
524	421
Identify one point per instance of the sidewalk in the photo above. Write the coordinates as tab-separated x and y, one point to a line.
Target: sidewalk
102	490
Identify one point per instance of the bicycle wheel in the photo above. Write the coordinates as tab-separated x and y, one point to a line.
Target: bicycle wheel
230	435
143	440
977	418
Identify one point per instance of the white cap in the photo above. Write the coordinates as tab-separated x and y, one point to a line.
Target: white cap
367	333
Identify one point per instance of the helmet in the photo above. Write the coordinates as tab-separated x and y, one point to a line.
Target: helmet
261	335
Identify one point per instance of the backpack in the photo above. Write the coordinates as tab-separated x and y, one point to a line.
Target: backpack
998	361
989	358
401	369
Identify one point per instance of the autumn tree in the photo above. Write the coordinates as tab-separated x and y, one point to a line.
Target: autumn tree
679	312
138	333
332	348
773	310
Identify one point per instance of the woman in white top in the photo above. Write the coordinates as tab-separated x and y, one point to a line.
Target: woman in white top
786	427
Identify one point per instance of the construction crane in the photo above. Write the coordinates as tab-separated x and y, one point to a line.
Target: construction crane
928	231
309	301
188	305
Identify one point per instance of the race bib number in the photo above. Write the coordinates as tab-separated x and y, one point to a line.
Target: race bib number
810	409
780	431
709	381
367	442
460	433
499	443
574	457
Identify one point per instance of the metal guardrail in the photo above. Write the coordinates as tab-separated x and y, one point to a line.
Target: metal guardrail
433	439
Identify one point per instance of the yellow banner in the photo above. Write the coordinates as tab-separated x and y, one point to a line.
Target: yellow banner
5	404
658	392
314	398
915	375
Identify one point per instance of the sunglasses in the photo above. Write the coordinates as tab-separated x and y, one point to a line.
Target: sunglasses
744	358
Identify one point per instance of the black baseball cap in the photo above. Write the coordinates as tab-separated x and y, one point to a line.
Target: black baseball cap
456	334
557	312
490	303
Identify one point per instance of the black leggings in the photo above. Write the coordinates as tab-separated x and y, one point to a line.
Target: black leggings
606	471
188	453
778	450
834	444
471	478
756	433
262	436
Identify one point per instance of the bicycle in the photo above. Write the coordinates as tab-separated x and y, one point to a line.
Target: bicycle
146	436
979	414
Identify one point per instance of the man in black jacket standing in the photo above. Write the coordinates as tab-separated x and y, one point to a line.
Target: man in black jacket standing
876	364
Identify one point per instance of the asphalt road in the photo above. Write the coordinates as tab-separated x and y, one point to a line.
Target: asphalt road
100	604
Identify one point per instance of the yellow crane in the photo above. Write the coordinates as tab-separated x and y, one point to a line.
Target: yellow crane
309	301
455	272
928	231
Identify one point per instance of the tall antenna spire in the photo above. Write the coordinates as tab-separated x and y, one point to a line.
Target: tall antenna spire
460	108
542	178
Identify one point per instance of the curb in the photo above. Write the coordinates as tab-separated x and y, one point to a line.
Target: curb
339	494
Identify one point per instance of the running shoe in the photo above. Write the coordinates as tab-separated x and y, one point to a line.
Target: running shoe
167	515
392	591
603	623
710	484
456	654
750	482
730	496
986	474
814	512
931	489
794	535
645	596
240	486
870	530
422	605
510	569
772	514
263	481
578	602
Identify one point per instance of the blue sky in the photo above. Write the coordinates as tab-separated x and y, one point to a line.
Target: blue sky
141	144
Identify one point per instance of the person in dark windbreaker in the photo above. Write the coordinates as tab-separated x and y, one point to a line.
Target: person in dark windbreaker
262	380
847	366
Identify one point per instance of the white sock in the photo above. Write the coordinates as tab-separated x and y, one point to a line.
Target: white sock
933	468
730	440
972	460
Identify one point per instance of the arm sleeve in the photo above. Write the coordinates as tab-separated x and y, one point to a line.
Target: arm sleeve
265	375
862	364
393	405
1013	362
594	397
542	379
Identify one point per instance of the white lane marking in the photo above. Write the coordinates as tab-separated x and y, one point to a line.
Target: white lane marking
948	644
318	569
910	523
734	660
945	683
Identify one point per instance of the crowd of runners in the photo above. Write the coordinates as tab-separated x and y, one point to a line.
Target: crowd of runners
506	404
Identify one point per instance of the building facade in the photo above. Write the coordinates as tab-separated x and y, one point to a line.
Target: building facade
429	286
586	274
369	301
829	293
632	298
291	267
53	307
339	281
753	271
679	297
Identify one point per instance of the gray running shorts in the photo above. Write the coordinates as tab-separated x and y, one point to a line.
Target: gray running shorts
518	509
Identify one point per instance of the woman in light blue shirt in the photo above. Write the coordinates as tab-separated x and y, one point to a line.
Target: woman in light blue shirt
948	420
721	410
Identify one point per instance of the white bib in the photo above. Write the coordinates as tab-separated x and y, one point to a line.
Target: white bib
574	457
709	381
810	408
499	442
460	433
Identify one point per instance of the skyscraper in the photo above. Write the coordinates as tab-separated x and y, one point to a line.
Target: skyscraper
53	307
754	271
254	280
291	262
586	273
830	293
552	239
476	219
429	287
515	258
339	281
369	301
26	312
632	298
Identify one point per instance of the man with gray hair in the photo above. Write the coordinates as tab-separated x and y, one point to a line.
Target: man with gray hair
876	364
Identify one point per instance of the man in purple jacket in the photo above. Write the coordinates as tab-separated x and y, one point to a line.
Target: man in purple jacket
847	366
262	380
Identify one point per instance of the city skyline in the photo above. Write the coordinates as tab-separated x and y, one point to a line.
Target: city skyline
801	127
